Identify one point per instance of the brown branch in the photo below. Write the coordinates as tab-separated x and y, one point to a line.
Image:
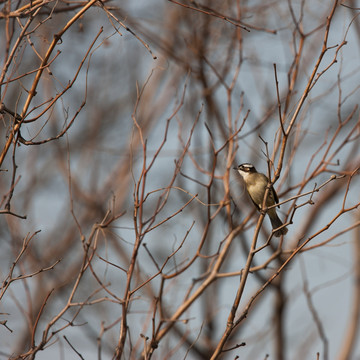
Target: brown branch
38	75
212	13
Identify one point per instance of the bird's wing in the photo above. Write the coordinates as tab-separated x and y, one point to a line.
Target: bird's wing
256	205
275	196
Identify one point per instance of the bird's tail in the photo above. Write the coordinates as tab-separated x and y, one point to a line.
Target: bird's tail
276	223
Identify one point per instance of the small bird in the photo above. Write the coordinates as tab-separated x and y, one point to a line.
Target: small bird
256	184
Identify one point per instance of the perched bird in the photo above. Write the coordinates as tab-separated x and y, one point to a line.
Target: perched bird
256	184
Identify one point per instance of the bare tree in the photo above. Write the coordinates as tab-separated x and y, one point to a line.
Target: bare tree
125	231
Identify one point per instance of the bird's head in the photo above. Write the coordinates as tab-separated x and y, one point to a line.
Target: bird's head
246	168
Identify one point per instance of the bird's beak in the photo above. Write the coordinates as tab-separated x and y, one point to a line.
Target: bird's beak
235	168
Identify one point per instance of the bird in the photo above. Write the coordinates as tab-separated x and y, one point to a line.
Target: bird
256	184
